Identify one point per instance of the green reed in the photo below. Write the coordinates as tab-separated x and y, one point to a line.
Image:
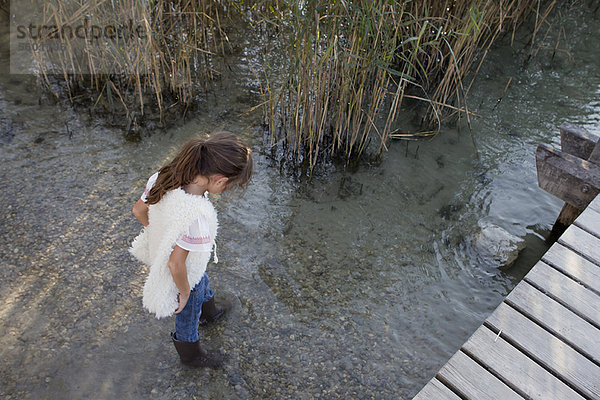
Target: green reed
164	63
349	67
352	64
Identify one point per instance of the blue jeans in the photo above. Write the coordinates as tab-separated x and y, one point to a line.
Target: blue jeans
186	322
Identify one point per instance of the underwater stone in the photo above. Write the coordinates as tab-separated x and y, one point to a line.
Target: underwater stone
497	245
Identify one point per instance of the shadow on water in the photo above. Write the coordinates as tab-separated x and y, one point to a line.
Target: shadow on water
356	286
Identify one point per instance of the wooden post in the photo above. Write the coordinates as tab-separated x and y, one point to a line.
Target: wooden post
577	141
571	174
567	216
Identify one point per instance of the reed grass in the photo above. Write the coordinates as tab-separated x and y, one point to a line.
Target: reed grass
353	64
164	64
349	69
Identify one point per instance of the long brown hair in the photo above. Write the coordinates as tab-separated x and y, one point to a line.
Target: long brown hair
222	153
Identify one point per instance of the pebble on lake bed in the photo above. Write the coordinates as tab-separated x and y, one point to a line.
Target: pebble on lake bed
497	245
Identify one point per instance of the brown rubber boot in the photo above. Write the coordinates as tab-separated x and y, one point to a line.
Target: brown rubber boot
193	355
211	311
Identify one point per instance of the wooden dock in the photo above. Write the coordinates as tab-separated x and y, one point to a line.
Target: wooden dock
543	341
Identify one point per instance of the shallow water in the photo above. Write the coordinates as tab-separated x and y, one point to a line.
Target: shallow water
350	287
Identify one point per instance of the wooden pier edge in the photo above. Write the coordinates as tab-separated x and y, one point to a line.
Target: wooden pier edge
542	341
571	173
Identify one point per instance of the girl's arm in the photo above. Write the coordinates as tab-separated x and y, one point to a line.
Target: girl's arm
179	274
140	210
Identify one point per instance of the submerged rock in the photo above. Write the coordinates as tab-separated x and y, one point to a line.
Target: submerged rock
497	245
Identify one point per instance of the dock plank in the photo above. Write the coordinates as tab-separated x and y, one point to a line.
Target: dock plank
590	221
543	341
575	296
574	265
473	381
514	366
547	350
435	390
582	242
556	318
595	204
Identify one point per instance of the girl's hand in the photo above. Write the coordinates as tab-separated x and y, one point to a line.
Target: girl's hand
182	299
140	211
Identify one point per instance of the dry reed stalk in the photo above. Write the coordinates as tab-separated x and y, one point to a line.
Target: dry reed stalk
169	58
352	63
349	67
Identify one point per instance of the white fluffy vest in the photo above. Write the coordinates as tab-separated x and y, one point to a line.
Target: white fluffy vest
168	220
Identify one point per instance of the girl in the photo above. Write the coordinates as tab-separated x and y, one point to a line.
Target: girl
180	225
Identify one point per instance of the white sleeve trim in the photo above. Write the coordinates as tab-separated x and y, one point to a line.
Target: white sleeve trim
149	185
197	238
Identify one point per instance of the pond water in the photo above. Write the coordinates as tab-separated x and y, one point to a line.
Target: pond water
353	286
